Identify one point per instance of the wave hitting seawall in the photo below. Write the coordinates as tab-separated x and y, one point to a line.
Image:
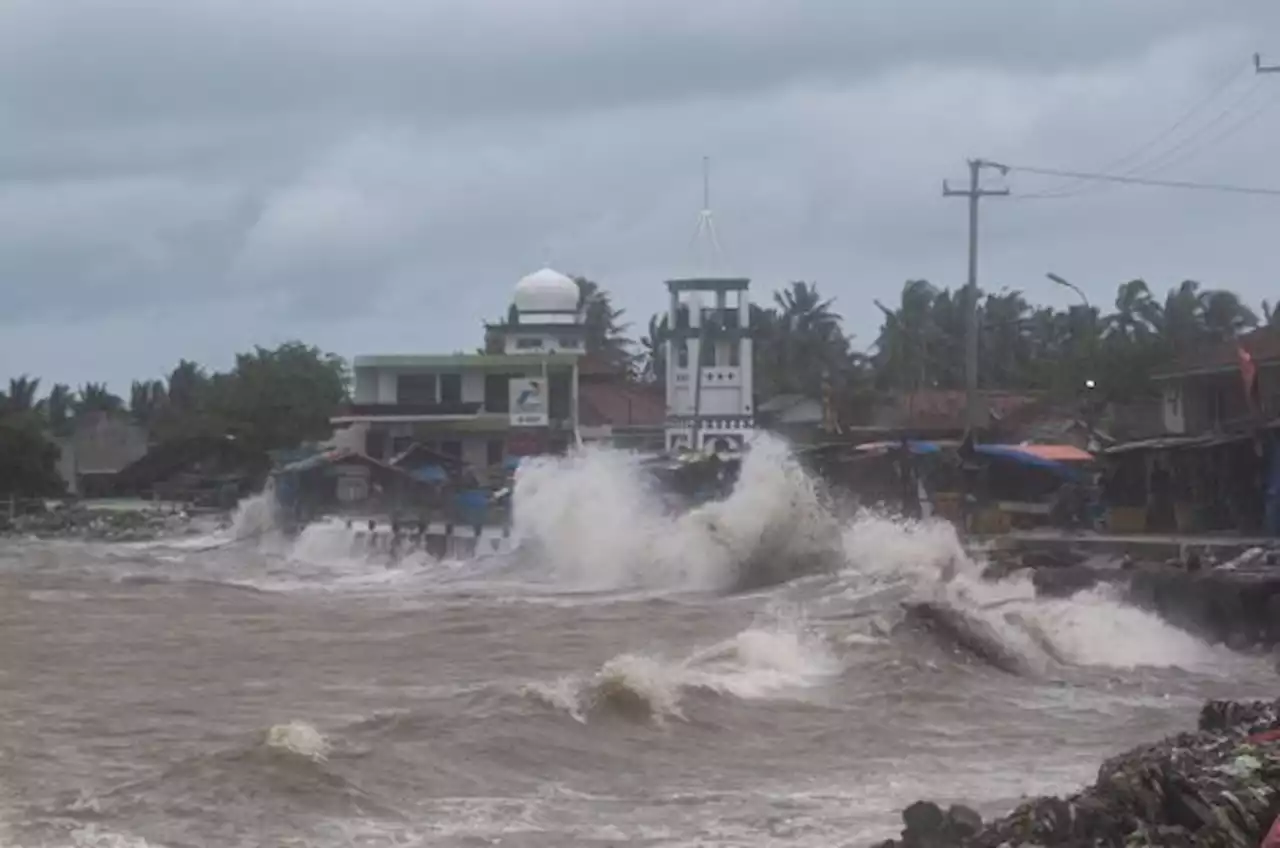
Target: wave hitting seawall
765	670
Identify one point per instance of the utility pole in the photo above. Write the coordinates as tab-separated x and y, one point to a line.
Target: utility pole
974	193
1260	68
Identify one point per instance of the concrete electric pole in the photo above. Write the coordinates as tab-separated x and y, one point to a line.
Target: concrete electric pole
974	193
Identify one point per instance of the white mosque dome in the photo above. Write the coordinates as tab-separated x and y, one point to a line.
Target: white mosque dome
546	291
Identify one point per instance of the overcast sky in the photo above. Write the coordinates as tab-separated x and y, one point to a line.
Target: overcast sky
187	179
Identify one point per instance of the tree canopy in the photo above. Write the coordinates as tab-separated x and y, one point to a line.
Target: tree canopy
800	338
270	398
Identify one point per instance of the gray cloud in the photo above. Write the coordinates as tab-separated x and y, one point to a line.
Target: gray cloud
179	179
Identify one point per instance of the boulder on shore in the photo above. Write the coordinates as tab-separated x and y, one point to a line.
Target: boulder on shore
1218	788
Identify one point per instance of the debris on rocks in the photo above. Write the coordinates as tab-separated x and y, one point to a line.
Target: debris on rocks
1218	787
111	525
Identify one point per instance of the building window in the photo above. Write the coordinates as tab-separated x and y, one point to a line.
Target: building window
416	388
707	354
376	444
494	452
528	344
570	344
735	354
682	353
497	396
451	388
682	317
559	400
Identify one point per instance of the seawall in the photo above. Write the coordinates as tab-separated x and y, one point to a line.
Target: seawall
1240	608
1235	602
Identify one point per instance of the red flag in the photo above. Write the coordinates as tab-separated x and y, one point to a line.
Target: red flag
1272	839
1249	373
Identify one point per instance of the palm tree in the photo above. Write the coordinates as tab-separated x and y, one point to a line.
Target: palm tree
58	407
606	337
1137	314
22	394
1224	315
95	397
810	344
146	399
653	359
186	384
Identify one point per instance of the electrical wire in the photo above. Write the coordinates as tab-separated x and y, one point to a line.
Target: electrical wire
1142	181
1213	141
1072	188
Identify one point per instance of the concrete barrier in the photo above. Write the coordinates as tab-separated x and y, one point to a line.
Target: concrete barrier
1239	608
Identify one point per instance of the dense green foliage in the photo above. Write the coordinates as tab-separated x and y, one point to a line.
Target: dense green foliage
920	344
269	399
28	460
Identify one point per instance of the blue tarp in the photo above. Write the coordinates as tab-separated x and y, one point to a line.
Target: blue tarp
429	474
919	448
472	506
1014	453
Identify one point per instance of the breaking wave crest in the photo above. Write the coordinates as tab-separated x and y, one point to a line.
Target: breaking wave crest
758	663
1003	621
595	521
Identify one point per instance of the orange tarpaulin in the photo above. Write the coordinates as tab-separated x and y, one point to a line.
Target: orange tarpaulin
1056	453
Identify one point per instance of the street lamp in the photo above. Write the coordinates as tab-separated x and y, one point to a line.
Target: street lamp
1067	284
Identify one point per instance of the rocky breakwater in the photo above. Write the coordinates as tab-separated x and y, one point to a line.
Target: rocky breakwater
1216	788
87	523
1236	602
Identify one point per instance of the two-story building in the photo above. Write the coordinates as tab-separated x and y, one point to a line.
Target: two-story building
479	408
1204	391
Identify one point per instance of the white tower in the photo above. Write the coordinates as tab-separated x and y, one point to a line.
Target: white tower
708	348
709	365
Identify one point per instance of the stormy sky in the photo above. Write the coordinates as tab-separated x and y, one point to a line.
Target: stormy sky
187	179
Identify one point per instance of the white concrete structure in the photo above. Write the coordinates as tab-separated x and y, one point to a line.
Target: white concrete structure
709	365
464	405
545	316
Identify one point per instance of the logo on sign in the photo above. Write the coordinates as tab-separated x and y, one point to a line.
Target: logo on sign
528	402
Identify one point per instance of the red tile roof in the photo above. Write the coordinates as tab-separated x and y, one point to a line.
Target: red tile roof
945	408
621	404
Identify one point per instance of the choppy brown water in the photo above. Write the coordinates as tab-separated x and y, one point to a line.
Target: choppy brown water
152	695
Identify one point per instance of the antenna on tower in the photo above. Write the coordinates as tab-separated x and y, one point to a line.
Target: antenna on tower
706	244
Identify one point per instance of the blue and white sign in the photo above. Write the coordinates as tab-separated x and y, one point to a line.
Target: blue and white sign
529	402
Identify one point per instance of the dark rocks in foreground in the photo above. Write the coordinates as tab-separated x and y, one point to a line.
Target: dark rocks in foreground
1216	788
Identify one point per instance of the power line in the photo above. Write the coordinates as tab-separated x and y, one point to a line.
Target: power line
1229	131
1068	189
1143	181
1170	157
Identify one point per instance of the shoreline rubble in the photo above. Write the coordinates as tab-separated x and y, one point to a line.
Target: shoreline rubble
1216	787
85	522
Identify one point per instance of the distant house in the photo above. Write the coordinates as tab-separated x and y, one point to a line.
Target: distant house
942	410
1204	391
100	445
796	417
618	412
